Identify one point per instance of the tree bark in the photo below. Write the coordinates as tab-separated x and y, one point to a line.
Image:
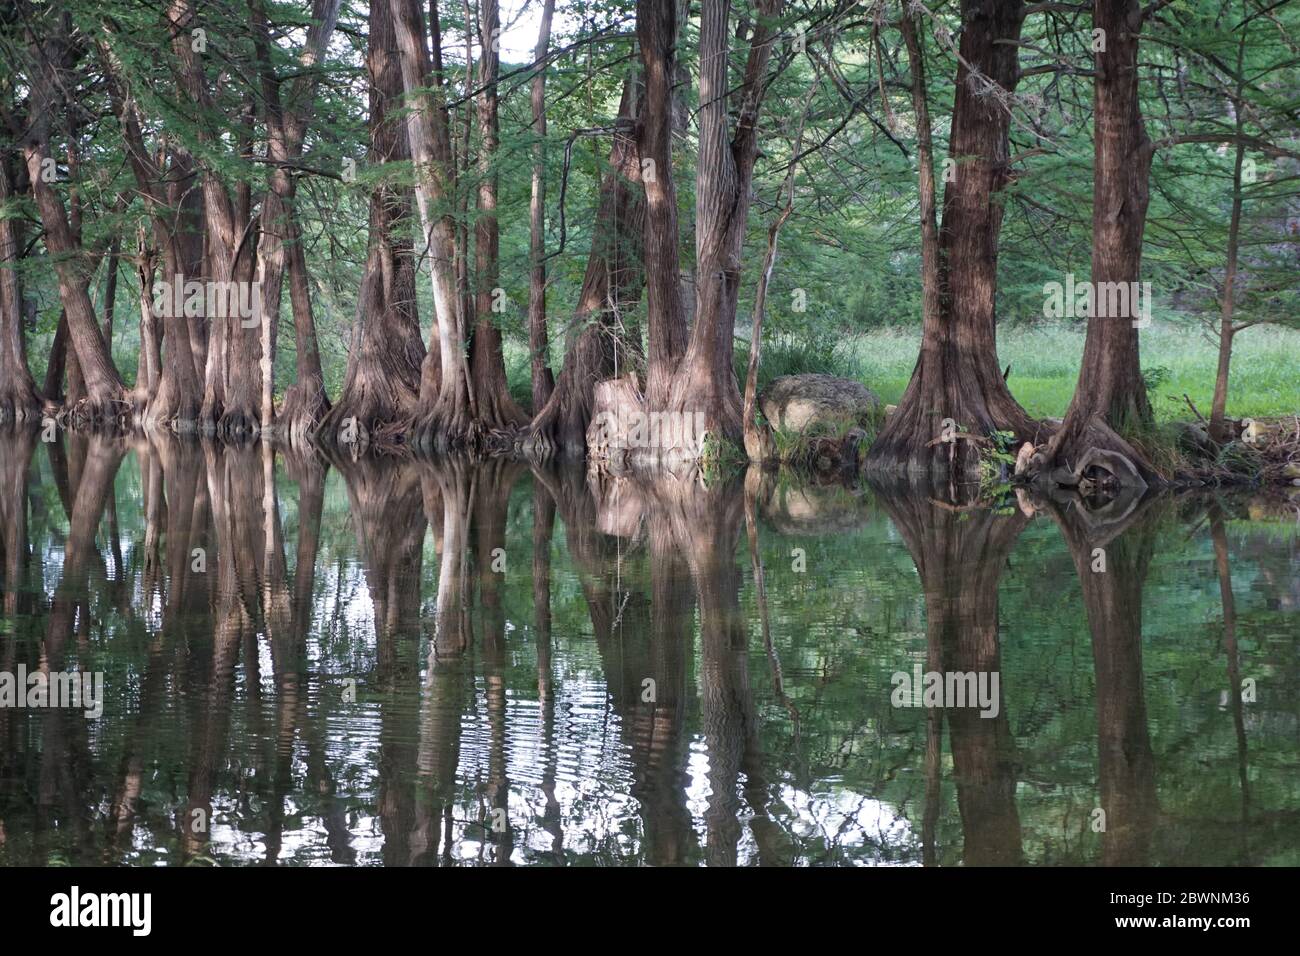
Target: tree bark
539	347
233	379
657	35
19	399
1219	406
1111	397
52	388
449	412
381	388
176	400
703	394
496	410
611	284
105	393
956	376
286	120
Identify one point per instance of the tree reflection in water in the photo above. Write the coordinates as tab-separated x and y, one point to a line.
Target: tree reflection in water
415	663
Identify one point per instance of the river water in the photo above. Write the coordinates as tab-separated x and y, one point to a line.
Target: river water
395	662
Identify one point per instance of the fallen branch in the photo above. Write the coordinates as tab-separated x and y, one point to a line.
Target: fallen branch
1187	398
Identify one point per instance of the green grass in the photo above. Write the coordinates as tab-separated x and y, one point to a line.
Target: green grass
1044	364
794	355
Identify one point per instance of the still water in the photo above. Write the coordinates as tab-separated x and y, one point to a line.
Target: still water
392	662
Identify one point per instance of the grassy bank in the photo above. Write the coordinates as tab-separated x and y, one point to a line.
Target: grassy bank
1045	365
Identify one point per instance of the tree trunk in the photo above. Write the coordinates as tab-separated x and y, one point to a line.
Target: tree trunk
57	362
270	282
611	284
96	393
497	411
305	403
1219	406
76	391
148	373
175	399
233	379
703	395
273	224
539	346
105	393
19	399
110	290
1111	397
1219	431
381	388
956	376
185	196
77	381
449	413
286	121
657	35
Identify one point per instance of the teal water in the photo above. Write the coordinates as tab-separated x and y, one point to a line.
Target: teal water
403	663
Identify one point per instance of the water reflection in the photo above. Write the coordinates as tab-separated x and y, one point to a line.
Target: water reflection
960	552
409	663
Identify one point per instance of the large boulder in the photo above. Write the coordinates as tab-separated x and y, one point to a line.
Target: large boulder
797	403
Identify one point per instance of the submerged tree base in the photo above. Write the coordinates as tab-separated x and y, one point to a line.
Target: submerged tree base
625	434
112	416
304	407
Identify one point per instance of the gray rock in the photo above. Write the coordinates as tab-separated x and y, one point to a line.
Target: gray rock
793	403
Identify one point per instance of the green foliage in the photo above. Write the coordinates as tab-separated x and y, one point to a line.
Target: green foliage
845	292
795	355
996	461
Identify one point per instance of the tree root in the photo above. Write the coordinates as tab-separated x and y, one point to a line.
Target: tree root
110	415
302	411
1092	458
